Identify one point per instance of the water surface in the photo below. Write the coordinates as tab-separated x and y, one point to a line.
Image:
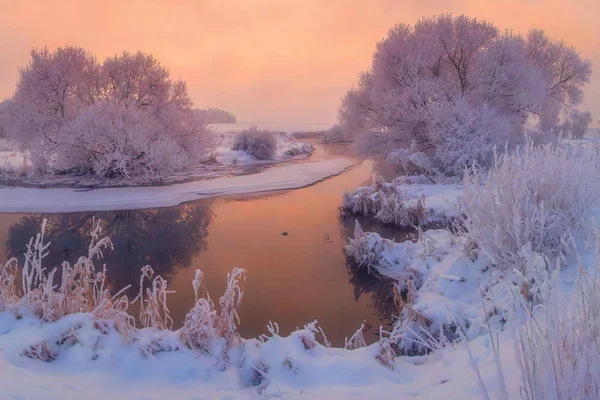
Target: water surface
292	279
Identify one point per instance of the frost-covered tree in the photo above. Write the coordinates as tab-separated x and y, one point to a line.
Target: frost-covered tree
125	117
52	89
577	124
564	72
448	89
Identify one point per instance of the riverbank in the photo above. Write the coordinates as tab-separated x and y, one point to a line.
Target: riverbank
291	176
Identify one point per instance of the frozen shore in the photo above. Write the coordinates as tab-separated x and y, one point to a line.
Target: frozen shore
292	176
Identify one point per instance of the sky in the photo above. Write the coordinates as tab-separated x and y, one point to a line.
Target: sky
285	61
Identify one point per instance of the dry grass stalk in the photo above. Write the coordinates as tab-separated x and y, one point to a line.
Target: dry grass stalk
308	335
153	308
412	314
8	290
203	324
357	340
386	355
82	288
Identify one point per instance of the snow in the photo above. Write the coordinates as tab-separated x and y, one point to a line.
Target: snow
441	199
99	366
291	176
450	282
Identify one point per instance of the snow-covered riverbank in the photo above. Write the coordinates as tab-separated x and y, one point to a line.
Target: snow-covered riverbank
292	176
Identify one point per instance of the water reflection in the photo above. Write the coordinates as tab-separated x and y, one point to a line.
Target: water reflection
167	239
292	279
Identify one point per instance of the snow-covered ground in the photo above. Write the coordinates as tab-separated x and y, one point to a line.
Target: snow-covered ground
96	363
291	176
117	371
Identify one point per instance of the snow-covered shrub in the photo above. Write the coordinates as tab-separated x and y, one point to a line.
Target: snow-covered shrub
536	196
200	328
257	143
308	335
436	276
304	148
82	288
370	250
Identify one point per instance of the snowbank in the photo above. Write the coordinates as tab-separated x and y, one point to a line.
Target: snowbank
99	366
293	176
442	275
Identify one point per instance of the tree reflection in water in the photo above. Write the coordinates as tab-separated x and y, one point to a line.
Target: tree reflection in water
366	282
165	238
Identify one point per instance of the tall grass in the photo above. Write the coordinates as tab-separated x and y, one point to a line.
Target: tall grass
203	324
83	289
557	342
537	197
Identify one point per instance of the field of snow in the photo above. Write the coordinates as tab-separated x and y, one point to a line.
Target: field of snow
291	176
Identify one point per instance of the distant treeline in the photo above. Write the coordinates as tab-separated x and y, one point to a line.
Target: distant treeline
216	116
3	107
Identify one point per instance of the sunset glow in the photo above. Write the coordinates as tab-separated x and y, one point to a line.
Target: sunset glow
280	61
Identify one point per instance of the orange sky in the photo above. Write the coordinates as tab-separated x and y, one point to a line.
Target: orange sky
268	61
